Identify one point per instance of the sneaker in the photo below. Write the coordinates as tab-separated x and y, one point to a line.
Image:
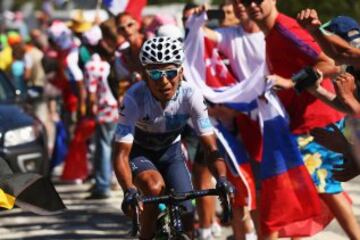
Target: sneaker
216	229
205	234
96	196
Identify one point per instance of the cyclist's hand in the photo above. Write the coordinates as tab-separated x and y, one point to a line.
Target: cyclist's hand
225	187
131	201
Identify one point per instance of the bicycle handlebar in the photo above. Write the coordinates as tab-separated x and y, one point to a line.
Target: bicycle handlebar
173	198
180	197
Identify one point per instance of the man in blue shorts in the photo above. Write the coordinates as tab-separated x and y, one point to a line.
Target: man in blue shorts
147	154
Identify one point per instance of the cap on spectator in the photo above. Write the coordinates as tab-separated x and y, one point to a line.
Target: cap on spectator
92	36
60	34
13	38
343	26
78	23
57	29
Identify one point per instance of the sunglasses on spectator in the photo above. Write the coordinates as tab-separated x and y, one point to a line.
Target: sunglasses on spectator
248	2
123	27
156	74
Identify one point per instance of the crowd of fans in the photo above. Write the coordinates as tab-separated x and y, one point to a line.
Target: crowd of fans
79	70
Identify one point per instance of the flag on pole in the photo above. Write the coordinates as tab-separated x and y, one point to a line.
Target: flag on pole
133	7
288	195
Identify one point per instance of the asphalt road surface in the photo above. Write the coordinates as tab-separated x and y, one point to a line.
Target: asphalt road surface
103	219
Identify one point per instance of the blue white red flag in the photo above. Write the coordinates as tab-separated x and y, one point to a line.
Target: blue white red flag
289	200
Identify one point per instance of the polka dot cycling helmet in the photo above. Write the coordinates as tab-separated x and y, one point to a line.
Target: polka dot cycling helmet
162	50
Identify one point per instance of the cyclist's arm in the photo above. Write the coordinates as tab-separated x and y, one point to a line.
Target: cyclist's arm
205	130
121	164
124	137
215	161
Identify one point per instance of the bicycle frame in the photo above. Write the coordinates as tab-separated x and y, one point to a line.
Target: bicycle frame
172	201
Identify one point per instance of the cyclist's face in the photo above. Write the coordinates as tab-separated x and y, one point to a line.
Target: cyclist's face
163	80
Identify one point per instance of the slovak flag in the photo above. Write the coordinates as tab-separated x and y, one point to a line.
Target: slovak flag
217	74
289	201
218	77
133	7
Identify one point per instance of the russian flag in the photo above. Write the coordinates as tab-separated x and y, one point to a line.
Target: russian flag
133	7
289	200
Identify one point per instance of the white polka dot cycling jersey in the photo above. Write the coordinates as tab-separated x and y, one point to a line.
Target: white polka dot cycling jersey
142	119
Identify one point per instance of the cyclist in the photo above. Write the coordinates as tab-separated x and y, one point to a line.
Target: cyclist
148	156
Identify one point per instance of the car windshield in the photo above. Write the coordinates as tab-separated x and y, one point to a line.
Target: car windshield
6	90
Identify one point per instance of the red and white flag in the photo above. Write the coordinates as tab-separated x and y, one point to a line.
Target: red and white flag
217	74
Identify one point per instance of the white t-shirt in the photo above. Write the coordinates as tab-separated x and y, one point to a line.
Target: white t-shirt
142	119
245	51
73	71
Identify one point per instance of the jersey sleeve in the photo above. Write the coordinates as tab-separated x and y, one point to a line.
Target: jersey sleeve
128	115
199	114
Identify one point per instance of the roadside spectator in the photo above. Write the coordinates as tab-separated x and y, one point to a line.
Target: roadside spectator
109	44
5	53
70	76
230	18
78	25
337	45
69	79
128	67
243	45
104	107
19	69
36	83
290	48
347	95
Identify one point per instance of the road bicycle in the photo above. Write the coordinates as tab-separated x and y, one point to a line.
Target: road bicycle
170	227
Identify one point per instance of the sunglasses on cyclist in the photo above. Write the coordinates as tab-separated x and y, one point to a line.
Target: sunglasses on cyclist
123	27
156	74
248	2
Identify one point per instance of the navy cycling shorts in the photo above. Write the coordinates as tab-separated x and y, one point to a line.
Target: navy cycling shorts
170	162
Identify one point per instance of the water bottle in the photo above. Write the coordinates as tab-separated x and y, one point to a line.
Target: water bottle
162	223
